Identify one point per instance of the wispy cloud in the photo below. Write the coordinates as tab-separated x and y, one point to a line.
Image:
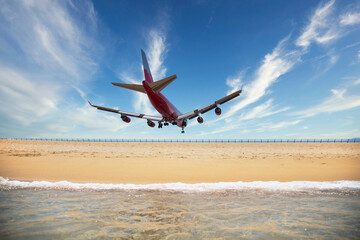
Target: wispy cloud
354	133
274	65
338	101
320	29
350	19
276	126
23	99
48	34
283	124
261	111
141	102
156	53
357	82
264	110
54	43
235	82
93	119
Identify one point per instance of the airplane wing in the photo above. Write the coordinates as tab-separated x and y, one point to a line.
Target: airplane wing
122	113
196	112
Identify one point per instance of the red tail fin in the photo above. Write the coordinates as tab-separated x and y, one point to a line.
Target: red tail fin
147	73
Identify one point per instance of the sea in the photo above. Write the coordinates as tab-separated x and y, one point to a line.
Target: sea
239	210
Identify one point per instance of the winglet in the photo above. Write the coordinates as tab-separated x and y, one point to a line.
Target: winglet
90	103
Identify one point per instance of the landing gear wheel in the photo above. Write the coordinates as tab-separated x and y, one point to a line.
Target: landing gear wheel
183	126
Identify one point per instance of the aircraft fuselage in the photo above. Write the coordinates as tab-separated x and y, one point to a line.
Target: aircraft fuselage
163	105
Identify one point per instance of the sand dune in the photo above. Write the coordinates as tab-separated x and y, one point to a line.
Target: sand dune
178	162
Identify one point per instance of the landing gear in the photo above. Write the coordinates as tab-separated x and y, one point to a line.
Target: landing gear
184	123
163	124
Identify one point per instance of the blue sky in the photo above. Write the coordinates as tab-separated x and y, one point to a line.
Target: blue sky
298	63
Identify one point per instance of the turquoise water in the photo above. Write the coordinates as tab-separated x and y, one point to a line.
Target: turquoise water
251	213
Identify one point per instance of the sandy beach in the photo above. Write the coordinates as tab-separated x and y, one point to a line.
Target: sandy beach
97	162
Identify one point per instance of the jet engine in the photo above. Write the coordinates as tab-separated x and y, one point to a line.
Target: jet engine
218	111
125	119
150	123
200	120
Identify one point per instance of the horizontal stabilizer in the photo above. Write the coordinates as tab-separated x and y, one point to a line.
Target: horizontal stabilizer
161	84
135	87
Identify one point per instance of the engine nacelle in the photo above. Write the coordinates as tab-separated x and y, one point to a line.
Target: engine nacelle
150	123
125	119
200	120
218	111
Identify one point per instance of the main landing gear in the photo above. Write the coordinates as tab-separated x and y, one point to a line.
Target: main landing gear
163	124
184	123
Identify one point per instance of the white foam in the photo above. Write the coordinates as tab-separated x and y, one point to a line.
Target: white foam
198	187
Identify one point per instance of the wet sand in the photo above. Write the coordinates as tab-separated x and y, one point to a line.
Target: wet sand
96	162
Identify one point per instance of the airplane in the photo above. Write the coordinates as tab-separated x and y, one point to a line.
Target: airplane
169	113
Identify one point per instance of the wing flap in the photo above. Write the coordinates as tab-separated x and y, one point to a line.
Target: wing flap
196	112
229	97
123	113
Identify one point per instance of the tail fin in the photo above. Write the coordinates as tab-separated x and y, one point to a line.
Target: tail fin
147	73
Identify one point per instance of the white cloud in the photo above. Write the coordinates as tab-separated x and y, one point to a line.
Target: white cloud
141	103
320	29
156	54
283	124
263	110
274	65
55	44
333	59
49	36
24	99
94	119
354	133
357	82
275	126
338	101
234	82
350	19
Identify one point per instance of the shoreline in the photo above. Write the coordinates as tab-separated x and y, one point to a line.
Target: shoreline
146	163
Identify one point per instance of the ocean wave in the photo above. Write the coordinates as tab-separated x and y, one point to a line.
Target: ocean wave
185	187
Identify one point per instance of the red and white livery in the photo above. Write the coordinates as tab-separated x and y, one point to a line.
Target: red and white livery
169	113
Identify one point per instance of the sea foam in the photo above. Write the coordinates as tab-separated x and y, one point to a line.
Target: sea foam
185	187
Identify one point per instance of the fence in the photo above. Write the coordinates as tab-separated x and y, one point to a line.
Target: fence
353	140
